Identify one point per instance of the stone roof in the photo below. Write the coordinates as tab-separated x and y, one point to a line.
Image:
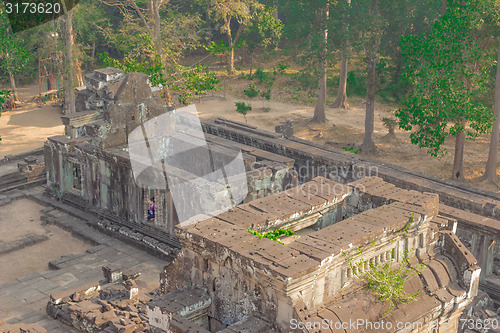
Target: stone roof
290	208
437	289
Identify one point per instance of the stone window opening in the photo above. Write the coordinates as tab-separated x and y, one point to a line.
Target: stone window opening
421	240
77	176
228	263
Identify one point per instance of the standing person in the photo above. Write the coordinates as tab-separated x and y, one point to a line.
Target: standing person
151	210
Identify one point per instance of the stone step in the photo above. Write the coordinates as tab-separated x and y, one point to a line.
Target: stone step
92	219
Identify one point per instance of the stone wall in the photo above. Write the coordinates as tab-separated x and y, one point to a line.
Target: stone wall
244	274
101	180
476	211
313	160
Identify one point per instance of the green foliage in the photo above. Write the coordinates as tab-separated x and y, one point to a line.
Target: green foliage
251	91
356	81
264	77
387	282
4	97
219	49
187	81
350	149
390	123
195	81
279	69
448	71
152	67
273	235
243	109
407	225
264	30
266	94
13	56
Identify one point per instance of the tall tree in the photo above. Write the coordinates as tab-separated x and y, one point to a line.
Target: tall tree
263	31
153	31
232	15
370	27
493	26
13	57
342	21
320	108
307	26
448	68
69	66
490	172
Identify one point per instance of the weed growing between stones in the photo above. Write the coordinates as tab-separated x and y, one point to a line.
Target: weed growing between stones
273	235
383	279
386	282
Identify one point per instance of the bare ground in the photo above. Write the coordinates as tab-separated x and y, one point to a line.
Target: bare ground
22	217
27	128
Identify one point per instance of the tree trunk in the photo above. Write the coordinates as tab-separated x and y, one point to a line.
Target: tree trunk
444	6
230	55
78	74
230	61
458	161
69	82
14	96
319	109
368	145
341	100
276	16
251	64
491	165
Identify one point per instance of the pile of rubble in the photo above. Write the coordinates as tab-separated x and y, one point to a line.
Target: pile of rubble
112	307
480	316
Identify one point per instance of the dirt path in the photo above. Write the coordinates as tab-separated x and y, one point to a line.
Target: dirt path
28	127
22	217
346	127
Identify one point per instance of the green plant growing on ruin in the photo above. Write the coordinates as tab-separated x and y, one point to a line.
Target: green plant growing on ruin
386	282
407	225
273	235
243	109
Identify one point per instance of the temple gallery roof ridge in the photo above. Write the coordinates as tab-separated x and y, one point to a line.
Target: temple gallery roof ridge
307	251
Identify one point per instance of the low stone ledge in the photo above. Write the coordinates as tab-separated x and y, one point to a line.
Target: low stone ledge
28	240
21	328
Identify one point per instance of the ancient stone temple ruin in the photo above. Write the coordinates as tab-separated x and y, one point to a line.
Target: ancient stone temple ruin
307	284
92	168
342	208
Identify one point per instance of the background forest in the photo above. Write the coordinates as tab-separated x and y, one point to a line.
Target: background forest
431	64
